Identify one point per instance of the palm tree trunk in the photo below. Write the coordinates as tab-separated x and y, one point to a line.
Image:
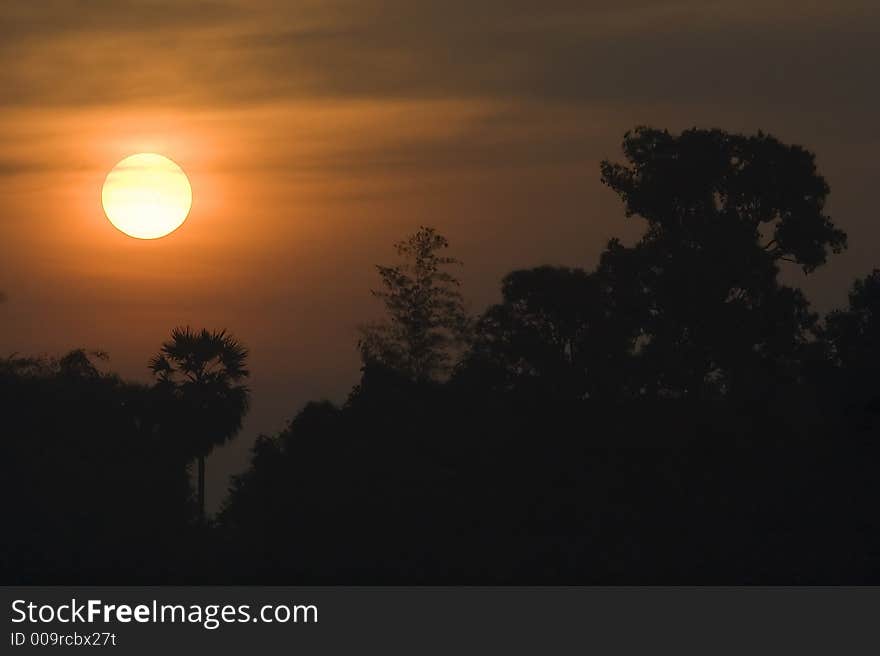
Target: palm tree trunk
202	488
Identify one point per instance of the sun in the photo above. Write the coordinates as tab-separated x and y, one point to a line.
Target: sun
146	196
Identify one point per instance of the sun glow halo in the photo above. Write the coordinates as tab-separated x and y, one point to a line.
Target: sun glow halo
146	196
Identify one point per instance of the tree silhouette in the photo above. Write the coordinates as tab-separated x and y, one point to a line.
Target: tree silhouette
426	315
722	211
853	338
203	372
855	332
557	331
86	478
676	415
710	183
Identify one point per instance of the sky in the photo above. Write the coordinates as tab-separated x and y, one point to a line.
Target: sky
315	134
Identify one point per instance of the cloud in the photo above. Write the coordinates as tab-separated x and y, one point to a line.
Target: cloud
29	22
10	167
224	53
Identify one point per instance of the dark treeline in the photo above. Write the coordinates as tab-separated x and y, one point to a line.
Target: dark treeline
676	415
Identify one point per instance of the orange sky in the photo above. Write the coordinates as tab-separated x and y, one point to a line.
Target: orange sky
315	134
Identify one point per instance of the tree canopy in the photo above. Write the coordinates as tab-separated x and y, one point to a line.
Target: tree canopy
425	315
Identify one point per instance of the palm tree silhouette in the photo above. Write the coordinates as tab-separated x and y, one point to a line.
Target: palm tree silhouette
203	372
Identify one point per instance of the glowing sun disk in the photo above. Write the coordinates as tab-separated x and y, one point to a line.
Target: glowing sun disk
146	196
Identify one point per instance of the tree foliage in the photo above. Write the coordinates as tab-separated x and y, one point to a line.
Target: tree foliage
202	374
702	188
558	331
205	371
723	211
426	318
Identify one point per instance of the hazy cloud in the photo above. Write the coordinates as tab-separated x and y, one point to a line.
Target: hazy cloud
190	53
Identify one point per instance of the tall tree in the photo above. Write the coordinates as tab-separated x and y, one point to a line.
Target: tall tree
204	373
704	182
426	318
723	212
